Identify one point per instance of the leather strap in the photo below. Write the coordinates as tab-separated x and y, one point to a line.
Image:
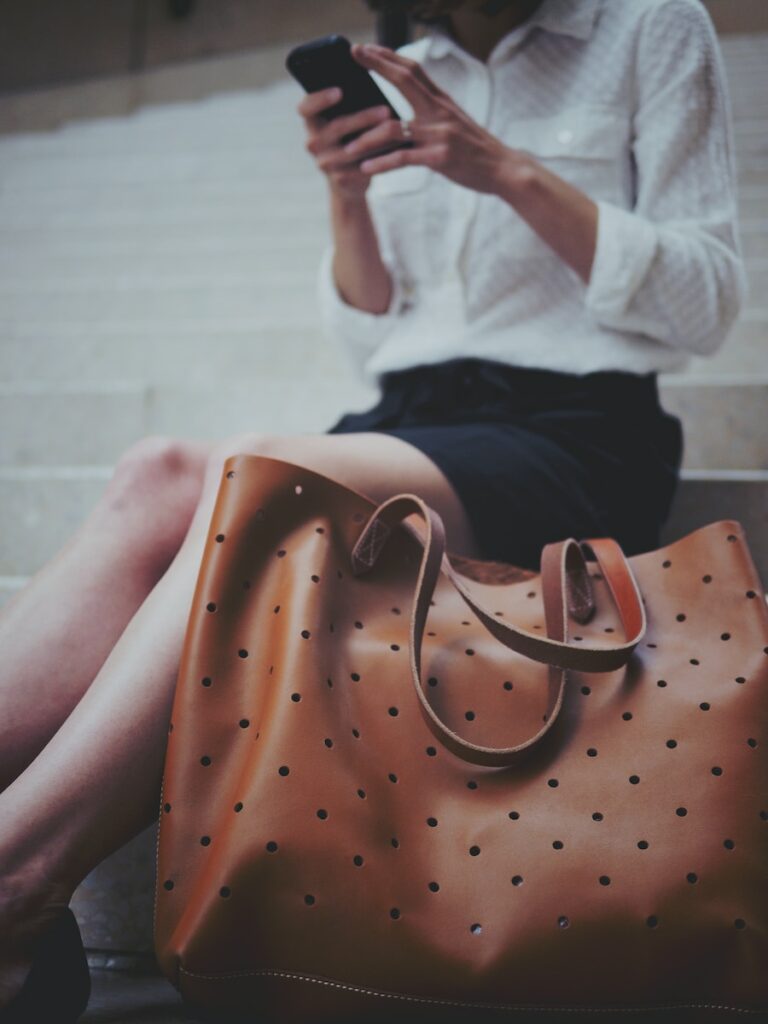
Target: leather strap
566	591
621	582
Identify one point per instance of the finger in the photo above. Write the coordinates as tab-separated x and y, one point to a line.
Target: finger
314	103
408	64
331	160
404	78
427	156
332	133
390	131
375	140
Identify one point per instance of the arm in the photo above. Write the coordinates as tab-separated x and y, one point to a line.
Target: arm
561	214
360	276
670	268
358	292
679	276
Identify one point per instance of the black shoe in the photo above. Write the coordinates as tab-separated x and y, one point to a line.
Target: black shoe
58	986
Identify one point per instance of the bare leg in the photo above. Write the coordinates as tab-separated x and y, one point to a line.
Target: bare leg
97	782
56	633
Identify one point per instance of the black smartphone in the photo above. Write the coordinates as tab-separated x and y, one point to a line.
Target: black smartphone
327	62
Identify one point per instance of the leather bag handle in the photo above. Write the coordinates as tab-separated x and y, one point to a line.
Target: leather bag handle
566	591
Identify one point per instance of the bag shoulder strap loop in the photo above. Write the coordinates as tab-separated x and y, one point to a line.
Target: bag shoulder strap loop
566	589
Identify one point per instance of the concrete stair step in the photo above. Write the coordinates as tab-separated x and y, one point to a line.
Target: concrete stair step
206	197
277	121
75	268
280	343
754	238
753	172
752	205
745	43
41	425
247	296
749	104
757	276
264	165
295	236
245	290
747	127
746	93
744	85
725	421
751	147
151	218
744	351
245	123
748	99
279	340
151	124
178	230
152	210
278	141
234	156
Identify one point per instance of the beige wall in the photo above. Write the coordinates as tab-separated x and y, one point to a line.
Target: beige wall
739	15
51	41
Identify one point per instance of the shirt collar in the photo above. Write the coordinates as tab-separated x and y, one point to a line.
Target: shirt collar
574	18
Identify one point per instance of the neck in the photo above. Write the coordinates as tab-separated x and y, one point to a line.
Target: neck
477	26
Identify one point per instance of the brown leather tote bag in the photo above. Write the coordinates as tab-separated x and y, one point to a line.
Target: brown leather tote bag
397	789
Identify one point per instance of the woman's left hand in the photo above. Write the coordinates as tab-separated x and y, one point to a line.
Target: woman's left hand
444	137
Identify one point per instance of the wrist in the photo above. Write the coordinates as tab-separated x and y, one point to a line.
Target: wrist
348	203
517	177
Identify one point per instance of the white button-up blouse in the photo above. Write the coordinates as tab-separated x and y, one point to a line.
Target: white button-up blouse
626	99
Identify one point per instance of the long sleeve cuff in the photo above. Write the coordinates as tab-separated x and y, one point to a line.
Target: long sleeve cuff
626	247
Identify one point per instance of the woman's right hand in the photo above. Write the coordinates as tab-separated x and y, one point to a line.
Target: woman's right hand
324	140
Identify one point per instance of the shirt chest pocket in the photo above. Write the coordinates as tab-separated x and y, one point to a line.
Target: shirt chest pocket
398	200
587	148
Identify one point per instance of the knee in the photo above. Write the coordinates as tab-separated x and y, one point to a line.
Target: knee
241	444
149	465
153	459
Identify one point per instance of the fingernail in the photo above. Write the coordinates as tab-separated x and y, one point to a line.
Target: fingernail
334	93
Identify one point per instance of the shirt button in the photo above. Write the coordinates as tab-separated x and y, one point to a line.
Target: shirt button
564	136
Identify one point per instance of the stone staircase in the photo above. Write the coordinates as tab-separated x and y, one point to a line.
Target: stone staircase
157	276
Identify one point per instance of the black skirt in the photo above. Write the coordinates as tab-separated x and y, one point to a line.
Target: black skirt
538	455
